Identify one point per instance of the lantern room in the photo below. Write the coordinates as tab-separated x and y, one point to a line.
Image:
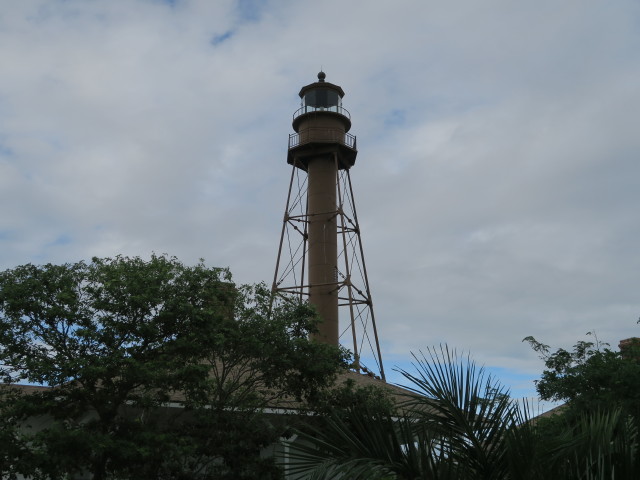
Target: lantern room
322	97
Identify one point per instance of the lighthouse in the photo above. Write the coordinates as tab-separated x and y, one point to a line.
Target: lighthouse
320	256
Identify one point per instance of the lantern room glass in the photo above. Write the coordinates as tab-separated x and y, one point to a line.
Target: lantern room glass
322	98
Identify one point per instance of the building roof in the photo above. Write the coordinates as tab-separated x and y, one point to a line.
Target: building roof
396	394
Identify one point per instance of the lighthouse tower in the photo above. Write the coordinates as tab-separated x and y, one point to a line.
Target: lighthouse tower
320	257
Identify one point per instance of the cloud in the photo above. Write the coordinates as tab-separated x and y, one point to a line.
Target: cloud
497	151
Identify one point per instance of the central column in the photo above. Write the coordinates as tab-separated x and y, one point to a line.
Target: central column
323	244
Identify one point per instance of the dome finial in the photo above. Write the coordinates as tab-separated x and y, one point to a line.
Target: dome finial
321	76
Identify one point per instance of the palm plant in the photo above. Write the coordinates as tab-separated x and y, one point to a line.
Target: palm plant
360	444
458	422
486	433
598	446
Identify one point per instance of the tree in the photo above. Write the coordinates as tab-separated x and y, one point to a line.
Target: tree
591	377
153	369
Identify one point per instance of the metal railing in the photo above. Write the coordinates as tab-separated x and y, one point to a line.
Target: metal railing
310	109
321	135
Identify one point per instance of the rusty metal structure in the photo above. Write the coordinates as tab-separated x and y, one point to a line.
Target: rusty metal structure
320	256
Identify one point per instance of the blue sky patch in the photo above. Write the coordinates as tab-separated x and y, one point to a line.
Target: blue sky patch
63	239
218	39
251	10
5	151
395	118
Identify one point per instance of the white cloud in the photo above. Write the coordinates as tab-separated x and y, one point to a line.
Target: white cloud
498	150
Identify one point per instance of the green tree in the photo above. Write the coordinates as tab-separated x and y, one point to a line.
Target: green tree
591	377
153	369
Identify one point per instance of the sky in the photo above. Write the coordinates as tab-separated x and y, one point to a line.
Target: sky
497	175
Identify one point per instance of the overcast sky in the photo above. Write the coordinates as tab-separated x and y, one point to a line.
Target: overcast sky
498	152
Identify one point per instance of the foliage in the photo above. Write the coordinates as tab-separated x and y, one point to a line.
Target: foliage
599	445
358	443
348	395
142	359
459	423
